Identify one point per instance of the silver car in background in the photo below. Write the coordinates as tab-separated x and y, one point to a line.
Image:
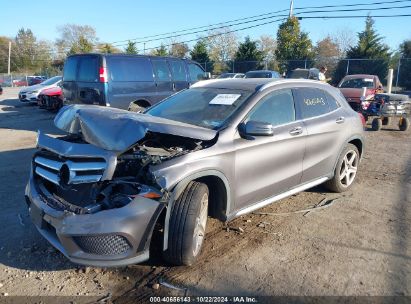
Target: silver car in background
220	149
31	93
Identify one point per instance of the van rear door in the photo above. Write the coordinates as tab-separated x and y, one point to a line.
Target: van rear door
163	81
69	85
179	74
90	89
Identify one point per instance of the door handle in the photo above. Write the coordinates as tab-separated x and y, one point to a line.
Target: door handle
340	120
296	131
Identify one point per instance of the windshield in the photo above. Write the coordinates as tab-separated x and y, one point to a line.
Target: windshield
204	107
357	83
226	75
51	80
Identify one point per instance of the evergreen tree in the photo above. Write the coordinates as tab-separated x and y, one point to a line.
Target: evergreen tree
199	53
293	45
405	66
248	56
82	46
369	46
131	48
161	51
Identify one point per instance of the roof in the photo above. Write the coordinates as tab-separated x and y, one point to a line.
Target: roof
360	76
248	84
130	55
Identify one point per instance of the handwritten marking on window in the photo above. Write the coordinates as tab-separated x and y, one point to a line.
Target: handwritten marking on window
314	101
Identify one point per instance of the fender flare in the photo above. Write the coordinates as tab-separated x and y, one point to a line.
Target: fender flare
343	147
178	190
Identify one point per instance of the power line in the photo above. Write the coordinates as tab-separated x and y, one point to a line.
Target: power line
261	15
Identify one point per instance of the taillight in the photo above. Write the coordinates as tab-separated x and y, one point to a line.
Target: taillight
103	74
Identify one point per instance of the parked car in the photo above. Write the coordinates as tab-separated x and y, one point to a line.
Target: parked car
219	149
312	73
351	86
28	81
231	75
123	81
262	74
51	98
31	93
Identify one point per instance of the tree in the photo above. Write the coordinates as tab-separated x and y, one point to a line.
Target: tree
131	48
4	54
25	49
108	48
82	46
75	38
344	38
370	47
179	50
327	53
222	46
293	46
248	56
268	45
161	51
404	78
199	53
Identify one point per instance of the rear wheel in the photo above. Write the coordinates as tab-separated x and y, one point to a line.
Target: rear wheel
345	171
376	124
386	121
188	221
404	123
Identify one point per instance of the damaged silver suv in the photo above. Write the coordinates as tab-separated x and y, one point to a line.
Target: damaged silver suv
220	149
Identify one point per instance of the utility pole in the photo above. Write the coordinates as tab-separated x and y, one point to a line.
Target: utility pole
8	67
291	8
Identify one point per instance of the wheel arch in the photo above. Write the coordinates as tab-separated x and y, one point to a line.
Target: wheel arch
142	102
357	142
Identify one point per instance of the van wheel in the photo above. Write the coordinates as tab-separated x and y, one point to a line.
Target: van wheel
346	170
188	221
133	107
376	124
404	124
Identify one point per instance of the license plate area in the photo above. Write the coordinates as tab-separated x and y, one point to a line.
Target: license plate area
37	215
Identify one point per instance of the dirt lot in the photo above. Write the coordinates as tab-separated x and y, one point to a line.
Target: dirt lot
360	245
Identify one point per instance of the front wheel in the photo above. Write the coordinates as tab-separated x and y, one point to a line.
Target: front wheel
187	227
404	124
376	124
346	170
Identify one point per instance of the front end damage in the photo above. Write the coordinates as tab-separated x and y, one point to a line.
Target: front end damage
97	205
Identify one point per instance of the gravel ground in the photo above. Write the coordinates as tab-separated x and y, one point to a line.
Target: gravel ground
358	246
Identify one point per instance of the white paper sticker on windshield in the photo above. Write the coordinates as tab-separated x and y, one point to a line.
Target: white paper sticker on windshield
369	80
225	99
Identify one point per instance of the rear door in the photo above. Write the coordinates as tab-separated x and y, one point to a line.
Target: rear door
130	79
69	84
195	72
179	75
90	89
324	120
163	83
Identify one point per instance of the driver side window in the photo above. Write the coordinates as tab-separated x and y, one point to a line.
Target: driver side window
276	108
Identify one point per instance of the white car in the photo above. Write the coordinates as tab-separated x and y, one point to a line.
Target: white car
31	93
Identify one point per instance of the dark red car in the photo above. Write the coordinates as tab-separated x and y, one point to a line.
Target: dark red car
51	99
351	86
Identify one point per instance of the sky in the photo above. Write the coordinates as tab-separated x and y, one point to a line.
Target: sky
128	19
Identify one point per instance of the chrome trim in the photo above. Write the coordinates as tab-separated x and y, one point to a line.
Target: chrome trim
51	177
52	164
86	166
281	196
82	179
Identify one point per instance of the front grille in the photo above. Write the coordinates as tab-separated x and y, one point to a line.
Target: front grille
103	244
69	171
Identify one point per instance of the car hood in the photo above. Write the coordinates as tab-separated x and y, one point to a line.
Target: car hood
353	93
117	130
36	87
51	91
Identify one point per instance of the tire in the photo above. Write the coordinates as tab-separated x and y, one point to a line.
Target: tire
346	170
376	124
404	124
386	121
188	221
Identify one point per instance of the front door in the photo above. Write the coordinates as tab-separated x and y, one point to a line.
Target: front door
269	165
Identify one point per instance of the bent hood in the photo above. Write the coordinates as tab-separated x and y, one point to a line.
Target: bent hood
117	130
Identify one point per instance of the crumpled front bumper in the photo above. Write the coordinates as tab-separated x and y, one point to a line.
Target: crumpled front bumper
91	239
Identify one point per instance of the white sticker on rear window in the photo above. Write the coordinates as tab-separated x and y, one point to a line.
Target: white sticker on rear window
369	80
225	99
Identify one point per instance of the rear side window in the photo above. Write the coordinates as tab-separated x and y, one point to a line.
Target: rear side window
196	73
276	108
70	68
123	69
161	70
88	69
178	70
313	102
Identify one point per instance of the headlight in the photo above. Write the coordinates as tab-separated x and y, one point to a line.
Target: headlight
33	92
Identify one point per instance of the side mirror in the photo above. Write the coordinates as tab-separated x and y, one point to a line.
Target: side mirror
256	128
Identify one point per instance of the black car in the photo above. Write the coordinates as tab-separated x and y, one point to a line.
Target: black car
126	81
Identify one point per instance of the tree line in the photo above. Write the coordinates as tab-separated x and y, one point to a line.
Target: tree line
221	51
